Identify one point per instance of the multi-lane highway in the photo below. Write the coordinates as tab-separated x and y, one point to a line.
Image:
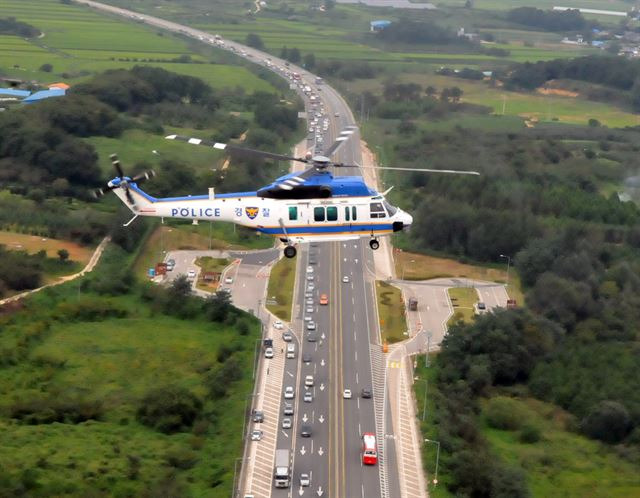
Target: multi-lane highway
345	355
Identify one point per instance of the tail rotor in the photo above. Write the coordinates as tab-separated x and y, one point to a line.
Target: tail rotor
123	182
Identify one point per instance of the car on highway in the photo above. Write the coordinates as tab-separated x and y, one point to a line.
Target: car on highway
258	416
308	381
337	114
304	480
278	325
366	393
310	278
309	301
346	394
256	435
268	353
228	280
324	300
288	392
308	318
345	279
286	423
171	264
309	309
308	294
306	358
288	409
313	262
312	337
191	274
306	431
311	286
481	307
309	269
287	336
311	325
308	397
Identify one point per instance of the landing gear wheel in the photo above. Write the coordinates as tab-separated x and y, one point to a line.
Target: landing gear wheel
374	244
290	252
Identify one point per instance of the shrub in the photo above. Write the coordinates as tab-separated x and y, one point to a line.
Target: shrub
504	413
529	434
55	409
169	409
181	458
607	421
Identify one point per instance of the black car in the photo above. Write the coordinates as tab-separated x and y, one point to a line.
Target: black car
366	393
305	431
312	337
306	358
258	416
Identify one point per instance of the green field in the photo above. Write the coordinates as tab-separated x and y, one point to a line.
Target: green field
463	300
563	460
78	41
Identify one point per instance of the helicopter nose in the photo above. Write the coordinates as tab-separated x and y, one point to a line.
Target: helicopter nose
407	220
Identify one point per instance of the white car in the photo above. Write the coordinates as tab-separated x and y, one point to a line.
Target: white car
286	423
345	279
309	300
308	381
311	286
304	480
308	397
228	280
288	392
309	309
308	318
268	353
256	435
191	274
346	394
311	325
278	325
309	269
310	278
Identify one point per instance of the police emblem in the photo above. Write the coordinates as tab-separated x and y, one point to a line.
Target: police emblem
252	212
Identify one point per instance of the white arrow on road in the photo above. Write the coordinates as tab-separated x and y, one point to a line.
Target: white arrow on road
323	336
300	491
320	451
302	451
321	419
322	362
322	387
320	492
304	418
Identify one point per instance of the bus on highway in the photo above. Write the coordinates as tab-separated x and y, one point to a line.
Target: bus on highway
369	450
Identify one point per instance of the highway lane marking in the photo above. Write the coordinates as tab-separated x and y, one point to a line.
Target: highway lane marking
285	434
289	373
355	354
357	378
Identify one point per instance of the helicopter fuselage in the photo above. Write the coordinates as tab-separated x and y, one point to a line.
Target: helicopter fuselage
292	220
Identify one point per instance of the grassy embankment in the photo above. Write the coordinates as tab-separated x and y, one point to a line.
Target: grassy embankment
393	326
559	460
83	349
280	290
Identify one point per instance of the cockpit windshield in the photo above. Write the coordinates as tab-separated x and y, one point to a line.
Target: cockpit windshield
390	209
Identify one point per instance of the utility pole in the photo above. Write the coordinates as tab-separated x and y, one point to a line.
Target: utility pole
508	258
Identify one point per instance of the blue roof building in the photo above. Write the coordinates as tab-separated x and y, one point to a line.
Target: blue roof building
13	92
379	25
45	94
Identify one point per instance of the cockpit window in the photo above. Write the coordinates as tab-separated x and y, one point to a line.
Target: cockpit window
390	209
377	211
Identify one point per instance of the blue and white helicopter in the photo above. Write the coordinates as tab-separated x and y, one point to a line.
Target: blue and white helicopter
309	206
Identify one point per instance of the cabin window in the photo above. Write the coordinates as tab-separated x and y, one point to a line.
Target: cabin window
293	213
354	213
390	209
318	214
332	213
346	213
377	211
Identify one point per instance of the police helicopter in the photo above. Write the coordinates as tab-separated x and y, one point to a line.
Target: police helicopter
308	206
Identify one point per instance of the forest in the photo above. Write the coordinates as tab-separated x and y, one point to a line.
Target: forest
549	20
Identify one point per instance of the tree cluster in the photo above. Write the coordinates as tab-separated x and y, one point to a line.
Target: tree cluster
347	71
11	26
420	32
548	20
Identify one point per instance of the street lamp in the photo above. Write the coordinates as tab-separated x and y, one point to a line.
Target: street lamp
426	359
508	258
435	479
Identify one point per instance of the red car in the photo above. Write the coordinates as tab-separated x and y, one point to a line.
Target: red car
324	299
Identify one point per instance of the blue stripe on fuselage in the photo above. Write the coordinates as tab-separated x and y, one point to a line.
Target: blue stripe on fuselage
231	195
325	230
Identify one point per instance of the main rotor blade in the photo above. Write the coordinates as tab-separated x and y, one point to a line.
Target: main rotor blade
99	192
129	196
116	165
235	149
426	170
343	136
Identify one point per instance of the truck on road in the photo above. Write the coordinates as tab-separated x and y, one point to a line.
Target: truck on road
282	471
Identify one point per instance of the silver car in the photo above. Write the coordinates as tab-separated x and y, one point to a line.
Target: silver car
286	423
